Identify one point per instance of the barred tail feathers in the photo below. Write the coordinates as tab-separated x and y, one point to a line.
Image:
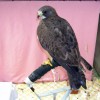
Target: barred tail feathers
77	79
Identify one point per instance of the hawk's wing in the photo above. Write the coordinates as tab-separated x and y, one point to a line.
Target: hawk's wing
60	41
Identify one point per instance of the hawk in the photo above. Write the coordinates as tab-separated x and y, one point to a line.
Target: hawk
57	37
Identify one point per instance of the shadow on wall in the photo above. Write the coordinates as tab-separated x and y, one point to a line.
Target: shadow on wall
97	51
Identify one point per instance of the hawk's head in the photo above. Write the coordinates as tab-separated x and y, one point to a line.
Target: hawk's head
46	12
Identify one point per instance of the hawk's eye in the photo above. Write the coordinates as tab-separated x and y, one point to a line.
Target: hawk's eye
45	12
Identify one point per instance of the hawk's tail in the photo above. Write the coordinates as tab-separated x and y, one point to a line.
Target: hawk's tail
87	65
77	78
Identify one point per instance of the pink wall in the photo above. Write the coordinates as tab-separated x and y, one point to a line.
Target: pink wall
20	52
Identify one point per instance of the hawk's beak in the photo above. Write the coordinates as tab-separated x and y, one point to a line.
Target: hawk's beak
39	14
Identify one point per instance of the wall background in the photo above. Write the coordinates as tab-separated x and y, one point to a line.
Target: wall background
20	52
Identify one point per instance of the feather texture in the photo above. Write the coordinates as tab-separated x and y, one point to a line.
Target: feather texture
58	38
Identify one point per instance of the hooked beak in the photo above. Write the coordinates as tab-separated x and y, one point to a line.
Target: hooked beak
40	15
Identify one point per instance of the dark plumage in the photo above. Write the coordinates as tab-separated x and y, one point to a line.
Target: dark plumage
57	37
